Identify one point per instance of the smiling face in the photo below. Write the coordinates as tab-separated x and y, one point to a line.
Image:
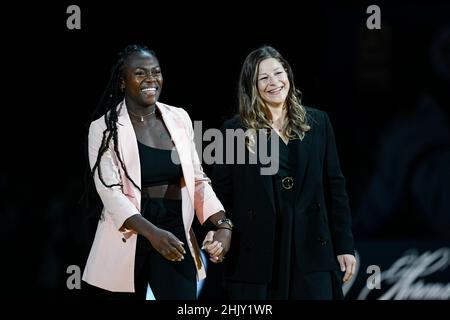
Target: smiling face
142	79
273	83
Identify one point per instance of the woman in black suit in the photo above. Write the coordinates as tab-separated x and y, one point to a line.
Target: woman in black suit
291	229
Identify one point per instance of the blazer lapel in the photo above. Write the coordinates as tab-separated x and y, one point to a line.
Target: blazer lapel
129	153
267	183
266	180
303	152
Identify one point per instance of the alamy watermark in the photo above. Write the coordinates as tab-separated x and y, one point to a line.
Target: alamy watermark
374	20
235	146
74	19
374	280
74	279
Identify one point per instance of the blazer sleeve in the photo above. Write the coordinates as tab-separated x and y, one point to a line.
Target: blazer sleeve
339	208
117	205
206	202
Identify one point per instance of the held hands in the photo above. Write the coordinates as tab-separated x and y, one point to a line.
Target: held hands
347	263
167	244
217	244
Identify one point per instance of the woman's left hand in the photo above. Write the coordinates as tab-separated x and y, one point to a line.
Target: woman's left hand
217	244
347	263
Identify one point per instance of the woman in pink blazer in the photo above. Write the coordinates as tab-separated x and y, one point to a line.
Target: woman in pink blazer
147	173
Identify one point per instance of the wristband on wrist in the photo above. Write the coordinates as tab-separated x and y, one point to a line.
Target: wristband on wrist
223	221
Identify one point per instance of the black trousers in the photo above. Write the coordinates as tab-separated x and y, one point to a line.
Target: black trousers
169	280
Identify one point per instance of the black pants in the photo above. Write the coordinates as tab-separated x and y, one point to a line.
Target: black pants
169	280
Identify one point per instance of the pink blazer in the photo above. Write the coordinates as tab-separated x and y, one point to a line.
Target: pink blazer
110	264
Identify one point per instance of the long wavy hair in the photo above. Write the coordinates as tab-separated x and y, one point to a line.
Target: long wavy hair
253	111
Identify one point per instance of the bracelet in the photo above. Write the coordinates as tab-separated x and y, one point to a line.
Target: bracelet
225	220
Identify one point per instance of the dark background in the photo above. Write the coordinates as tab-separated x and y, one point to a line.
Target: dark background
386	93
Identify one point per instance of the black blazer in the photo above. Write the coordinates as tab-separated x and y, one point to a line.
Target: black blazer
322	217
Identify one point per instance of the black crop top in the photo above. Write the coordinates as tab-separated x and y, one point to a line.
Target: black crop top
157	167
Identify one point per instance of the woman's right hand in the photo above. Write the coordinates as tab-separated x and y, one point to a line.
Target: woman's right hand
217	244
169	246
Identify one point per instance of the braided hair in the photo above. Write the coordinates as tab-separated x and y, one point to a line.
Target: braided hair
107	107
